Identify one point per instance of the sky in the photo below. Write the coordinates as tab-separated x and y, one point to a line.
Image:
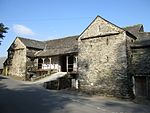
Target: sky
52	19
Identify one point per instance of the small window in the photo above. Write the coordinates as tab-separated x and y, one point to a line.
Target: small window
132	40
107	41
99	28
107	58
91	45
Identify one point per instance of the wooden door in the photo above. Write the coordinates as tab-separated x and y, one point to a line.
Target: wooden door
140	86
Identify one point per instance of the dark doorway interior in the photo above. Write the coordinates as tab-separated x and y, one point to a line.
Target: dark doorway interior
148	83
40	61
70	63
140	86
63	60
63	63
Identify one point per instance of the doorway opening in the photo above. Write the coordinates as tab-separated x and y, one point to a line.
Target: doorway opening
140	86
67	63
63	63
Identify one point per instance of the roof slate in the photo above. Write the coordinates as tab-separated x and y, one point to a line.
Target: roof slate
60	46
53	52
66	42
143	38
70	44
32	43
135	29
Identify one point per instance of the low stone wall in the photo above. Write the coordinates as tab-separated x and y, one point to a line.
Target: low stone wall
22	78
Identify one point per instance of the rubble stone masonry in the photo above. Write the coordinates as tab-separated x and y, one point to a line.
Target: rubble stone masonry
18	61
103	61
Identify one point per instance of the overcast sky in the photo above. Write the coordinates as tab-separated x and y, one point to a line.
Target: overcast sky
51	19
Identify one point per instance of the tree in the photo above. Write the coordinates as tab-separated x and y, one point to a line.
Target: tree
3	29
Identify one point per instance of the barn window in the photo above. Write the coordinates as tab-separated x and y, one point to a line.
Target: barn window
91	45
107	58
107	41
99	28
132	41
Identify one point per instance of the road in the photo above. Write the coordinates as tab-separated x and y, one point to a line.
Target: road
19	97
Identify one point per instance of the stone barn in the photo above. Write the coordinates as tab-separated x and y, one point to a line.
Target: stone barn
140	61
31	59
104	59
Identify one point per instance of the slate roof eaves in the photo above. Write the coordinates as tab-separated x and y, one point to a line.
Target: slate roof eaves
30	43
134	29
60	46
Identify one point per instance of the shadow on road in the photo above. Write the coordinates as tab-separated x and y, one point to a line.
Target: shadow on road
1	77
126	107
16	97
29	100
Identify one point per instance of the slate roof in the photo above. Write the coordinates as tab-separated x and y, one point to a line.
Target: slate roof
2	60
135	29
70	44
143	38
59	46
66	42
32	43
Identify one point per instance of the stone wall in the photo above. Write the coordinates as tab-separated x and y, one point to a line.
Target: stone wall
141	61
130	80
31	52
99	27
141	68
32	64
102	60
18	61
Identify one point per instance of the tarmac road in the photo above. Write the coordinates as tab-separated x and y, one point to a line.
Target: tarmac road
18	97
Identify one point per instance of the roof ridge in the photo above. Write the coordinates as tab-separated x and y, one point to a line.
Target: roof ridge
62	38
32	43
29	39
